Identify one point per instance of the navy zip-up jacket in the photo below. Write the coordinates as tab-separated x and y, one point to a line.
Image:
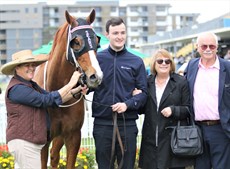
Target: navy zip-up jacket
122	73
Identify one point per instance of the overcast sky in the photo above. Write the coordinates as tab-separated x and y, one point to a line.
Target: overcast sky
208	9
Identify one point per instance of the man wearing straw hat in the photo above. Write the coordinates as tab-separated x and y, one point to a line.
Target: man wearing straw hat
26	105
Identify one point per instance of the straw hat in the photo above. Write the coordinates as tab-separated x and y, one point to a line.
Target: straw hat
24	56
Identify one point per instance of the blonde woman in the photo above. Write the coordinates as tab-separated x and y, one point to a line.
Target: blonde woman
168	102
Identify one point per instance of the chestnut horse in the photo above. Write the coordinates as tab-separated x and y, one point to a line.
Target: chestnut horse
74	47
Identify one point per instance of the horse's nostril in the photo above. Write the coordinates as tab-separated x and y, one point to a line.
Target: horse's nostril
93	77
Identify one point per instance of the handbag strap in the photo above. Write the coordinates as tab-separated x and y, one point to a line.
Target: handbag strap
190	121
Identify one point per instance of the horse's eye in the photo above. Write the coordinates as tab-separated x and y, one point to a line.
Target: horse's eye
75	45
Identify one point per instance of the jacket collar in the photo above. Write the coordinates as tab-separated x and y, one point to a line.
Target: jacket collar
114	53
168	90
21	79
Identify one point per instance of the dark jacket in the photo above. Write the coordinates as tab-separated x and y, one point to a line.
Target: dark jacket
224	89
155	152
25	122
123	72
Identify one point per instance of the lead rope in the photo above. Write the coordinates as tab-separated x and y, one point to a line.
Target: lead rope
115	133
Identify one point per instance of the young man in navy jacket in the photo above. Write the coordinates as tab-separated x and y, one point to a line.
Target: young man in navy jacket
114	99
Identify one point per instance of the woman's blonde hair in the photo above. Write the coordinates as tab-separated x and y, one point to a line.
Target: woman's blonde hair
164	53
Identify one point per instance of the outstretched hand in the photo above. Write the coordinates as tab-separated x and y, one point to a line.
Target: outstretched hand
79	89
74	79
84	89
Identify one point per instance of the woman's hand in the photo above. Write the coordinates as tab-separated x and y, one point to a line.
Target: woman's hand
166	112
84	89
74	79
136	91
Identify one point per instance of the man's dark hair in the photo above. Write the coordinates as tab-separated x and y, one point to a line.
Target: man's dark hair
113	22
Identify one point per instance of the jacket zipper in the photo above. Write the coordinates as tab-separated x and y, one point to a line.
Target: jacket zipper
114	75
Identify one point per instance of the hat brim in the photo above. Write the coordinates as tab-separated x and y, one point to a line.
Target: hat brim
8	68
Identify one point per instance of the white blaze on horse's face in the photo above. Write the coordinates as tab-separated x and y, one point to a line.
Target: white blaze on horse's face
96	66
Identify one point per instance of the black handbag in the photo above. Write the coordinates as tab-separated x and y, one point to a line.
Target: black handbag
187	140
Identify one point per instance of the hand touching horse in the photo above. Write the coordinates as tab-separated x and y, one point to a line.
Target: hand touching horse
74	47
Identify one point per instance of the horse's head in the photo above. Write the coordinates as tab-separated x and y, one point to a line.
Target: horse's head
82	45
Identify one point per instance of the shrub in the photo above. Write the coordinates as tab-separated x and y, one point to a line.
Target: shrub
85	159
6	160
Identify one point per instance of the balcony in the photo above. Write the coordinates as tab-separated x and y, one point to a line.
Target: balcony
2	46
2	36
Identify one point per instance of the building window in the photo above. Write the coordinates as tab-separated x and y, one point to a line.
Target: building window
98	9
145	29
86	10
133	29
160	28
160	8
56	10
145	8
98	29
113	9
189	18
35	10
3	62
56	20
144	19
161	18
122	11
26	10
2	32
98	19
145	38
134	19
132	46
133	8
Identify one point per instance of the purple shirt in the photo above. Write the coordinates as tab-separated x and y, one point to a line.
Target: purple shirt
206	92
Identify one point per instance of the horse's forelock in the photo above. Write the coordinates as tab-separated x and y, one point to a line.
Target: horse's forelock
82	22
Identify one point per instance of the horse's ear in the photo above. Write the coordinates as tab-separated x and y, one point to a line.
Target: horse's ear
69	18
91	16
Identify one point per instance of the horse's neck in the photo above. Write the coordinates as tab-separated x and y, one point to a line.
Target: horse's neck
58	72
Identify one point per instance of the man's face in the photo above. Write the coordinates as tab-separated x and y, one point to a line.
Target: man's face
207	47
117	36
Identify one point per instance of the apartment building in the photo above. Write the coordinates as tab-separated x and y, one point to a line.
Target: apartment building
20	28
28	26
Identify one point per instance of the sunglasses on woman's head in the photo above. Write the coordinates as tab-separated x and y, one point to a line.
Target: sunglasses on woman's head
166	61
204	47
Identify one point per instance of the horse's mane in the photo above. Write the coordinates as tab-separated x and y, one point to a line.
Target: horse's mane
59	37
